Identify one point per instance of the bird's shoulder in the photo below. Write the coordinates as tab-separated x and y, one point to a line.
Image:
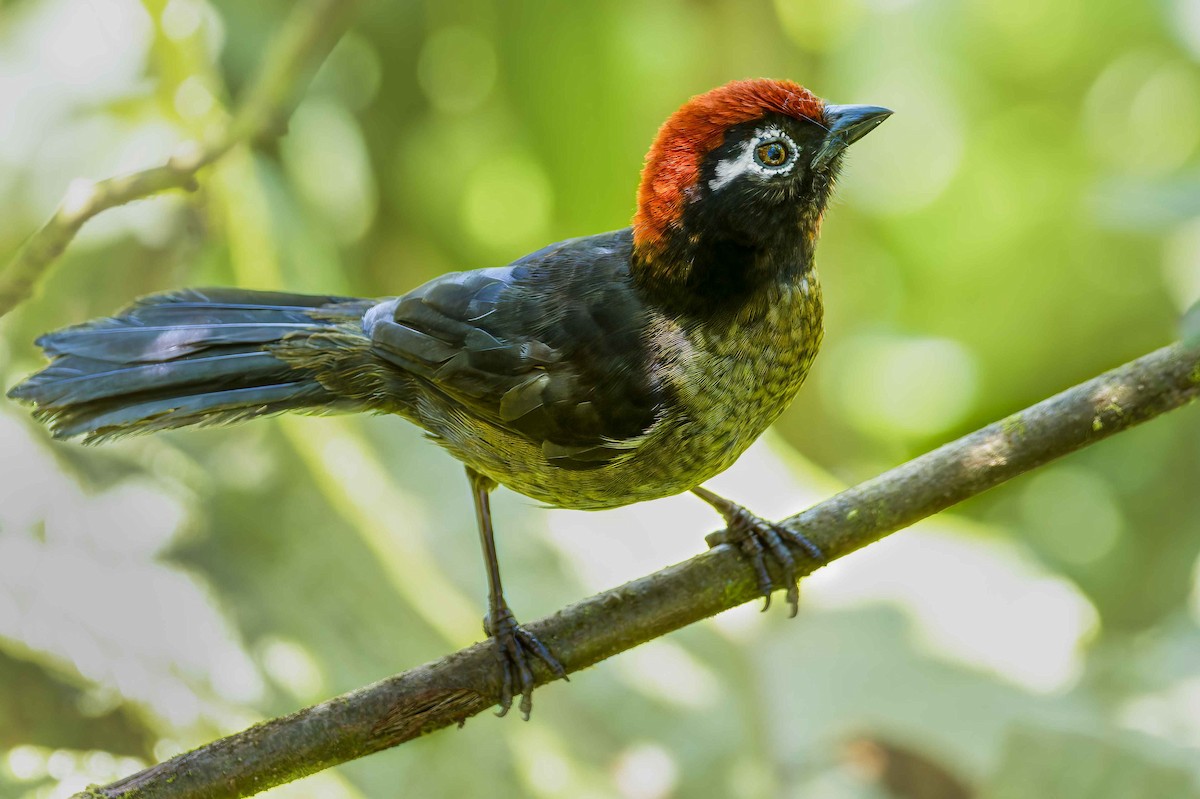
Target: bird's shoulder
551	347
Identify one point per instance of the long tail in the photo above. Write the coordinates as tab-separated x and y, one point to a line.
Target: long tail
195	357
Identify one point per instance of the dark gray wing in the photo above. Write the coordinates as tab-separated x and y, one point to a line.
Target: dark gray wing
550	347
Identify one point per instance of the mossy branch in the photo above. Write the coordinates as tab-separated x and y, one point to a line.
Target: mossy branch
307	37
458	686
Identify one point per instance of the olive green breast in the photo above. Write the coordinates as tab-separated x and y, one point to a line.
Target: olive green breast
740	378
730	382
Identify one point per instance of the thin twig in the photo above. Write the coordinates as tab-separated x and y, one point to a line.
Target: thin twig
308	35
450	690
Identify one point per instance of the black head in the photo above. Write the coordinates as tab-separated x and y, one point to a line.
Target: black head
754	203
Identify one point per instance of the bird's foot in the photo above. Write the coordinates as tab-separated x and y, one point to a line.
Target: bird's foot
759	540
515	647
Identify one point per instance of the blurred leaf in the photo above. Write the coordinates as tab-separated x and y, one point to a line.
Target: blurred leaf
42	708
1068	765
904	772
1189	326
1147	206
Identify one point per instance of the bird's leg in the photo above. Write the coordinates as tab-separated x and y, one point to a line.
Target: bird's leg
513	644
760	539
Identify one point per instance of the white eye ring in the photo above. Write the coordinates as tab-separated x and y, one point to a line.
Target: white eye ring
766	137
746	162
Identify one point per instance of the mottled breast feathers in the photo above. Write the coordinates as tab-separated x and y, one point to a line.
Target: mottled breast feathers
551	347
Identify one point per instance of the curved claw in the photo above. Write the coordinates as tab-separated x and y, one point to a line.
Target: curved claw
759	539
514	647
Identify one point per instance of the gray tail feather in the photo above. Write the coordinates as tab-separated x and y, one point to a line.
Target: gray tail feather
194	357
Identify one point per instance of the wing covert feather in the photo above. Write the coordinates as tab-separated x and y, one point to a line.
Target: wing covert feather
550	347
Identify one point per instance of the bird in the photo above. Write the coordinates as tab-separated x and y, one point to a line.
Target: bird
594	373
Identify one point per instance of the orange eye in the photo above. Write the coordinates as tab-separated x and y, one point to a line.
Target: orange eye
772	153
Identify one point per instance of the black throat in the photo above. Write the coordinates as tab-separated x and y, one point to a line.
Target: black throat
736	239
712	276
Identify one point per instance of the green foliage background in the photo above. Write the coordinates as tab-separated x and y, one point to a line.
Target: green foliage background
1027	219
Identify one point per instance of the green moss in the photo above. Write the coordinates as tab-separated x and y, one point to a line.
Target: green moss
1013	426
92	792
1113	408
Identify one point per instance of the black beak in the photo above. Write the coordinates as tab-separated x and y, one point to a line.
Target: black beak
847	124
